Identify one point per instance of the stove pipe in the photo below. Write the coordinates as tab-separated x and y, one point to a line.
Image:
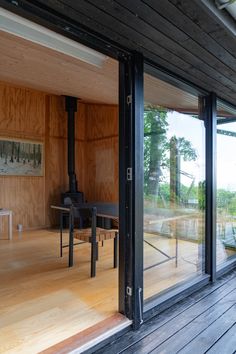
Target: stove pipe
71	108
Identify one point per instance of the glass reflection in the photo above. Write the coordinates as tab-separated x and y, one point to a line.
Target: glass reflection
226	190
174	187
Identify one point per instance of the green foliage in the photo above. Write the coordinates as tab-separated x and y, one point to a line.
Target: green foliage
155	141
157	161
201	195
186	150
155	144
157	153
232	206
162	200
226	202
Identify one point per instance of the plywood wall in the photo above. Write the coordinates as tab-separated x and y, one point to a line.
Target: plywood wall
22	115
32	115
101	153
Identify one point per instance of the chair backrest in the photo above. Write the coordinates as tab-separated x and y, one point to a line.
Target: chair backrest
87	215
68	201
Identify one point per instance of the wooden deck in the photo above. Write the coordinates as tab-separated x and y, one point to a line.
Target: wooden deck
202	323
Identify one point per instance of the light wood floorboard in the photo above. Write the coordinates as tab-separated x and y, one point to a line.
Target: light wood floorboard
43	302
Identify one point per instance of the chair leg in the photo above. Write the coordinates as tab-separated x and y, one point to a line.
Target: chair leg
61	231
115	250
93	259
71	249
61	245
96	251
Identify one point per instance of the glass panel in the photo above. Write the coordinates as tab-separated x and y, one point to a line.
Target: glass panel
174	180
226	184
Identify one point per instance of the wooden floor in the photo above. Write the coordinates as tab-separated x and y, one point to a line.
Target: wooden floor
202	323
43	302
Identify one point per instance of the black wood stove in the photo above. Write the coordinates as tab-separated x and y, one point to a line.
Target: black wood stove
72	195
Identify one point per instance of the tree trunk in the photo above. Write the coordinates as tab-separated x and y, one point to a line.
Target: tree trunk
12	151
155	159
18	153
34	154
5	151
39	155
174	172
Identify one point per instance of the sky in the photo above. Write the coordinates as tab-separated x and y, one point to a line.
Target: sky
226	158
192	129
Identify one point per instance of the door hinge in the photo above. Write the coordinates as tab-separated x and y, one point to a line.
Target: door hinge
129	99
129	291
129	174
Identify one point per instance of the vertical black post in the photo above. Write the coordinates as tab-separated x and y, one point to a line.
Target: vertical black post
131	188
208	110
71	108
137	184
123	149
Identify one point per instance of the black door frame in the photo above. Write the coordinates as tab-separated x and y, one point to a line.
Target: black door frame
209	115
131	187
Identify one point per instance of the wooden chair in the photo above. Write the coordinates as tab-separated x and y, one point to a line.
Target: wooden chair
93	234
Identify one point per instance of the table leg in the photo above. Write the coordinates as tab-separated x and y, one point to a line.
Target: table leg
10	225
71	240
61	231
176	250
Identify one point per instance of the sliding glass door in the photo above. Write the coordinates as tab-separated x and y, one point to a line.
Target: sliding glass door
226	185
174	187
169	186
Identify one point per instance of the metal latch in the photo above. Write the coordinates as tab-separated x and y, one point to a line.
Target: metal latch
129	99
129	291
140	304
129	174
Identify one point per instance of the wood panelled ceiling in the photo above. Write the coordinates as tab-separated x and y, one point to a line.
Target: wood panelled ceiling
31	65
182	36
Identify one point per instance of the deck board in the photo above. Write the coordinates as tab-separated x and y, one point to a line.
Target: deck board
212	334
226	344
196	327
205	321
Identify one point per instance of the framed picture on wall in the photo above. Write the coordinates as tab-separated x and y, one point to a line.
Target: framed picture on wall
21	157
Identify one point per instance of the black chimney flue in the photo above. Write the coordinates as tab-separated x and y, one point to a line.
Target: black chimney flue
72	195
71	108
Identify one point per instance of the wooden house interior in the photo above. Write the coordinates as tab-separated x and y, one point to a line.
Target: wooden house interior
40	296
38	287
